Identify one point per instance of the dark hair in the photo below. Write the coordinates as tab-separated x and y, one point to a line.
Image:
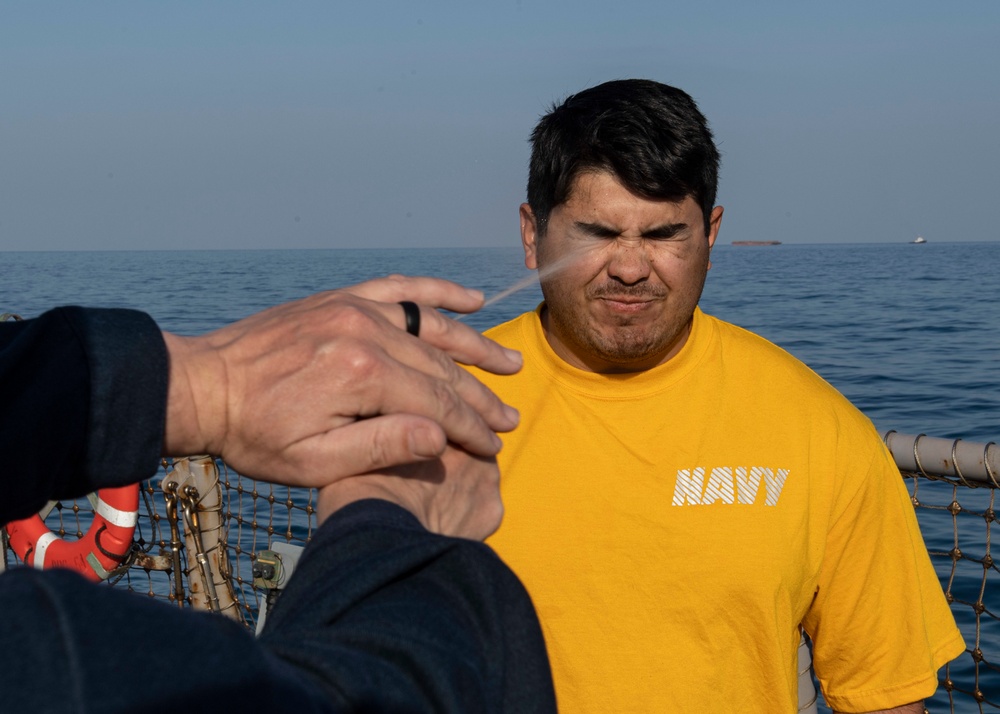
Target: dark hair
651	136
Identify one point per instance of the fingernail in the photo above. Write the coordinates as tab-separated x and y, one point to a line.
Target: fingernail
425	442
512	414
477	294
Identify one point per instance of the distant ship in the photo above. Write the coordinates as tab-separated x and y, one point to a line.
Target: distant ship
919	239
756	242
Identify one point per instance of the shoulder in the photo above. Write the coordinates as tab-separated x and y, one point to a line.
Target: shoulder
750	364
515	333
741	349
734	337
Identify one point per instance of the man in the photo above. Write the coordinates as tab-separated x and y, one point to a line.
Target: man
681	495
391	607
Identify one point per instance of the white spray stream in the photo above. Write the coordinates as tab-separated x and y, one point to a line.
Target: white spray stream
549	270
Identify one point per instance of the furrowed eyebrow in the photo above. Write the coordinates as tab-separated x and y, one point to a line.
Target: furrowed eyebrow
667	230
596	230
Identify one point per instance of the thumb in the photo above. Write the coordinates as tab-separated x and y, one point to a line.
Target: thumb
370	445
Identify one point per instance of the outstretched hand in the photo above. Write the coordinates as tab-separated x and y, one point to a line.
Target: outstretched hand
331	386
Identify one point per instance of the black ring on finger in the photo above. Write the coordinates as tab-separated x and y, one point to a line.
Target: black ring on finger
412	313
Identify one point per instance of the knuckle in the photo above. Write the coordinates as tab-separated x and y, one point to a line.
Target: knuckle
358	361
448	402
397	281
445	366
354	319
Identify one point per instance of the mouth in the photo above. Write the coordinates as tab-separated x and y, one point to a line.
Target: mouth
627	304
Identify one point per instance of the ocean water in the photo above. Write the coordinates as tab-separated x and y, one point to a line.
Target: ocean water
909	333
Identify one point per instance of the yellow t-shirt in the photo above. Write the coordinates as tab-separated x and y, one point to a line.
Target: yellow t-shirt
675	527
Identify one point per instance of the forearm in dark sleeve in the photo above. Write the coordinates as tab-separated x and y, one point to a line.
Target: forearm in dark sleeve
80	647
389	617
83	402
380	616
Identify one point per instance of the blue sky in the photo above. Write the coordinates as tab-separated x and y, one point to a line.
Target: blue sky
177	125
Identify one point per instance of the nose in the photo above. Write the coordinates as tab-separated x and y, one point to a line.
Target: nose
628	261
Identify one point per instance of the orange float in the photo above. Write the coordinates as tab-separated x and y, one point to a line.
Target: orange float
102	549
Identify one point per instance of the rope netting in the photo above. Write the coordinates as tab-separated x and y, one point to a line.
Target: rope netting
257	516
213	551
971	581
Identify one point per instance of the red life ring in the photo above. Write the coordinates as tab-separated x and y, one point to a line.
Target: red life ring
102	548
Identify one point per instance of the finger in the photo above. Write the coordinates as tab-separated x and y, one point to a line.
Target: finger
415	376
411	316
463	344
468	412
419	379
459	341
368	445
433	292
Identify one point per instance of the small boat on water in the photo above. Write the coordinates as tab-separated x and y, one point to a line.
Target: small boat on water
919	239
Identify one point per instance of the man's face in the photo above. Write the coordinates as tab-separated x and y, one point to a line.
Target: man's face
621	274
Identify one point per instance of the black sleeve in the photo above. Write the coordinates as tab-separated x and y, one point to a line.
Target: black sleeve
82	404
388	617
380	616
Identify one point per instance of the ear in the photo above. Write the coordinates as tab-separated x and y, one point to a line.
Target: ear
714	223
529	237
